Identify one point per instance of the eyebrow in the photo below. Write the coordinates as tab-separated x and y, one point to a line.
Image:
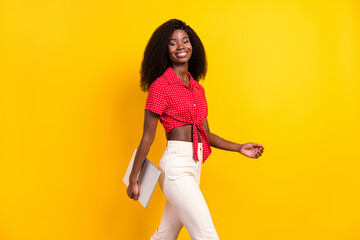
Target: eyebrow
176	39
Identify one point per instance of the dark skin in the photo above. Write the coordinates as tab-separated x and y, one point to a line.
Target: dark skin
180	51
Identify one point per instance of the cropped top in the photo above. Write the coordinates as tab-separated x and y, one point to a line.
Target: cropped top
179	105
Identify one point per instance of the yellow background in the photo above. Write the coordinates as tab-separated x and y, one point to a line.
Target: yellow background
281	73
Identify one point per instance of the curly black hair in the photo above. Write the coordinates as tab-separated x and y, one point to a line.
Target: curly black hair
156	57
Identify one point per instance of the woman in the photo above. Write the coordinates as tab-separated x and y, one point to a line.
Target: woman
174	61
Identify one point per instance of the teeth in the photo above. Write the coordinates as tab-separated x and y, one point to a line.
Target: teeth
181	54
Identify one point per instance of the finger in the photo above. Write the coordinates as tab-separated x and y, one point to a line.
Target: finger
258	154
261	147
136	197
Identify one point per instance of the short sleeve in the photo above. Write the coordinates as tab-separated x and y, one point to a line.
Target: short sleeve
205	104
206	107
156	99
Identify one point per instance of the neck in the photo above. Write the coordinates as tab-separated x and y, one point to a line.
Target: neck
181	71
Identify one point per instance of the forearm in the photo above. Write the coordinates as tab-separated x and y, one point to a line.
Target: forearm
141	153
251	150
147	139
218	142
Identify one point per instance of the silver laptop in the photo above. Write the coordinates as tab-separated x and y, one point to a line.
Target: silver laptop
147	179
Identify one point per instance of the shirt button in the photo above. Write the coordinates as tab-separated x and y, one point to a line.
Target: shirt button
194	105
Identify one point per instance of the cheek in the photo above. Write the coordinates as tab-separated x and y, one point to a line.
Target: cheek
190	51
190	48
170	49
170	52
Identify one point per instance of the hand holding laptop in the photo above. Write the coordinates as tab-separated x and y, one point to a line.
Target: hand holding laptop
133	190
147	179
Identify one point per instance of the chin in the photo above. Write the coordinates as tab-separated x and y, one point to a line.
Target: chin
181	61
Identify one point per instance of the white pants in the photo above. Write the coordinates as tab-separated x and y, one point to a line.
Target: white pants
185	204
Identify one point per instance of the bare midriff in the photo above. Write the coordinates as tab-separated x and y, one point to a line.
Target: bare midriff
183	133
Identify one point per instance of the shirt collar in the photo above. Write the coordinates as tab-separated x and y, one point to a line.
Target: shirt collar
174	79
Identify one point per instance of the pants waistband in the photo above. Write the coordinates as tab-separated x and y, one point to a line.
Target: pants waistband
174	143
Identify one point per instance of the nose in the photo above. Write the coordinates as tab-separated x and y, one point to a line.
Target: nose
180	45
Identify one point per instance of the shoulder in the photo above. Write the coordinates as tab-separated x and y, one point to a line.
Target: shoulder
196	84
159	88
159	84
199	86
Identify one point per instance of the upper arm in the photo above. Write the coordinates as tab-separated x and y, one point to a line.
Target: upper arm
156	103
150	124
156	100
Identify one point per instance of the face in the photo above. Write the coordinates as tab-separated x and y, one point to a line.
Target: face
179	47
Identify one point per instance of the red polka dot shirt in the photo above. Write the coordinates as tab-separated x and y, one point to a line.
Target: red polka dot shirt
179	105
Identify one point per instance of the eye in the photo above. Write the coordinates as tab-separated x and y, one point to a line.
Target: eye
172	44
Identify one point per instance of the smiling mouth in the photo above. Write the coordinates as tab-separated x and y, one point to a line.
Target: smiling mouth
182	54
